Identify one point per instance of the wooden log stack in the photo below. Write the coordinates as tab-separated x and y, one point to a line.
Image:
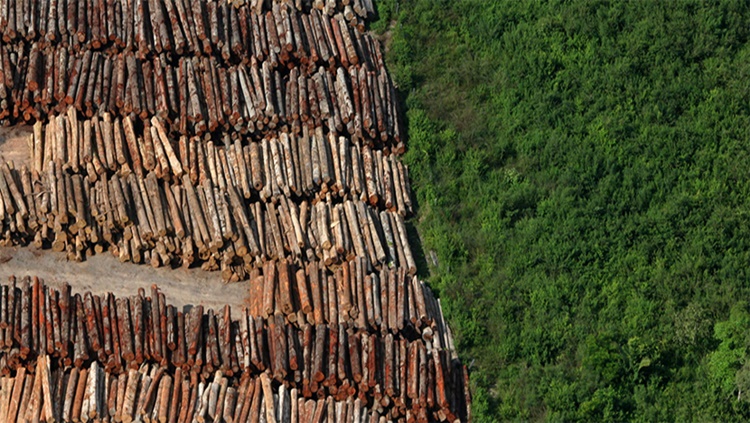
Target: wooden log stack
329	190
286	85
139	357
179	27
389	302
310	165
144	220
152	393
258	138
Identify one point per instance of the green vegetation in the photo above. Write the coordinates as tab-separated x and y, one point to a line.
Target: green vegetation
583	175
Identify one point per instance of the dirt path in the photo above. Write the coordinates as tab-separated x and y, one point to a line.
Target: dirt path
104	273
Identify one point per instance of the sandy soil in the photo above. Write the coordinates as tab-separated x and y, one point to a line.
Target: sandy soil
14	144
104	273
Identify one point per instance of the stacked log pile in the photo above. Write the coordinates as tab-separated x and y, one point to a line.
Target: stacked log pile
407	309
201	95
144	220
176	26
253	131
335	79
306	165
258	138
70	394
139	356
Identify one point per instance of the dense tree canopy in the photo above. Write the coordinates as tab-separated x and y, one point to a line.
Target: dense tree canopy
583	175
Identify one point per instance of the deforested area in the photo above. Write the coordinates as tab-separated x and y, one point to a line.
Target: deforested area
205	217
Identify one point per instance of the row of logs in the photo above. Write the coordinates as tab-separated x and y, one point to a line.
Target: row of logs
177	224
173	26
200	94
319	360
310	165
385	301
368	298
363	8
154	394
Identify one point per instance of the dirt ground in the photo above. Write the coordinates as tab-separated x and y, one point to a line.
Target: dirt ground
104	273
14	144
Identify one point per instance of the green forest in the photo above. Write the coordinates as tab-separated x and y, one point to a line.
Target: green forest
582	172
